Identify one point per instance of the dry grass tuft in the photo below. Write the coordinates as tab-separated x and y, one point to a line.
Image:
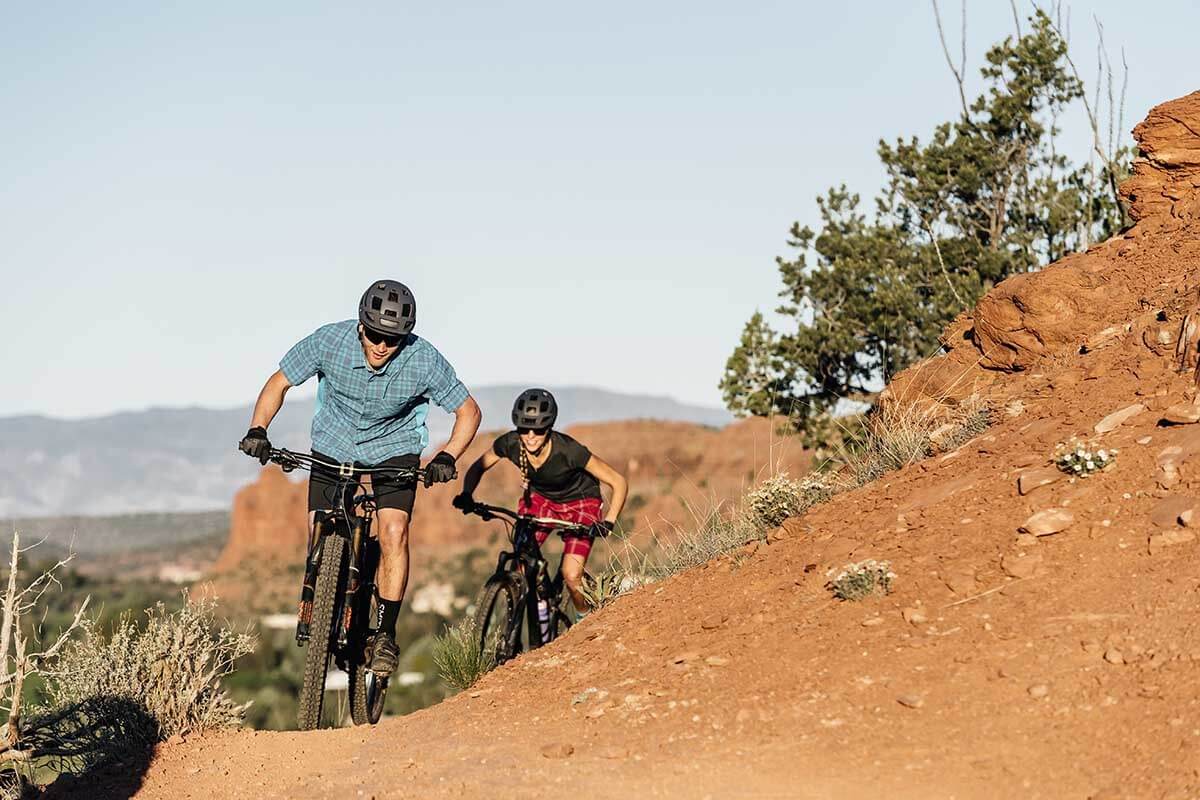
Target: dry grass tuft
460	657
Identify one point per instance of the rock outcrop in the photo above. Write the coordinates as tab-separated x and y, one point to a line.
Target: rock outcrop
1133	287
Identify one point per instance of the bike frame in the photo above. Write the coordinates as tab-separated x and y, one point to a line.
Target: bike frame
343	520
526	559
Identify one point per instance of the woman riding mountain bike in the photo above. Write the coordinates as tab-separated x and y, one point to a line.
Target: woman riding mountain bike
561	480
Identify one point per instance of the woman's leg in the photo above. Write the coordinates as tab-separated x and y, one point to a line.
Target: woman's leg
572	572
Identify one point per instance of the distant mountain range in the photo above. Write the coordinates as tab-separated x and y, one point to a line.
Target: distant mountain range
186	459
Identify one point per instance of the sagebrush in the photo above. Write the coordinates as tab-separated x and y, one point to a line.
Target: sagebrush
775	499
170	668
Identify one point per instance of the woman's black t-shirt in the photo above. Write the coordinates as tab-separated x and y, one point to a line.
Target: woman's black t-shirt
562	476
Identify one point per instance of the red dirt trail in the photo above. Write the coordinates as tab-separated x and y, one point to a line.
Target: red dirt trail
1002	665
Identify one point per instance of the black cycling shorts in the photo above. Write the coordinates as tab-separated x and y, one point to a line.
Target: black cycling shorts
390	491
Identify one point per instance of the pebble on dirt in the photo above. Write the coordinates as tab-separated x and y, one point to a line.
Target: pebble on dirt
1181	414
1048	521
557	750
911	700
1036	478
1119	418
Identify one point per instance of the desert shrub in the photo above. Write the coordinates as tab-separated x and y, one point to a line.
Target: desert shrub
1081	458
774	500
170	668
862	579
459	655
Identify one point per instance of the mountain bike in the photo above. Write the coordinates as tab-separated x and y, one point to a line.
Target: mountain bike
337	614
521	589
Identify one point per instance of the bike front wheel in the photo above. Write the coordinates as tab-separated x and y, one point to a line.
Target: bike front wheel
368	695
368	691
498	617
316	653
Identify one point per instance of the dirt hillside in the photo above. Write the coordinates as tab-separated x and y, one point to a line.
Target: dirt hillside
1003	664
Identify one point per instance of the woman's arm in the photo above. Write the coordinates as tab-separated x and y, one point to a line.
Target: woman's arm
482	464
613	479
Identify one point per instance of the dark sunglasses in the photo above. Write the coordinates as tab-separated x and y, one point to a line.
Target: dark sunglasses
375	337
539	431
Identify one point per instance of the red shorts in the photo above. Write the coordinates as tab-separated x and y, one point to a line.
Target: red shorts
585	511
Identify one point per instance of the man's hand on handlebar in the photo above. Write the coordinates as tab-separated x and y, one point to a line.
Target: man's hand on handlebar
256	444
440	469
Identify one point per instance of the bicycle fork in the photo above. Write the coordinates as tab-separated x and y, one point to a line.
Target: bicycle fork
358	527
309	588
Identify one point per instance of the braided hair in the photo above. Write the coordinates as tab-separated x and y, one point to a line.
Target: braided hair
525	470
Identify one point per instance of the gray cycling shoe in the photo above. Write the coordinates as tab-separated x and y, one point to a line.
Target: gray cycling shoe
384	655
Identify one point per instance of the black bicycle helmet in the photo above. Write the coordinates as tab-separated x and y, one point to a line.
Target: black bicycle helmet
534	408
388	307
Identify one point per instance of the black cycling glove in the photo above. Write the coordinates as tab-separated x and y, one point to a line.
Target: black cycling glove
601	529
464	503
256	444
440	469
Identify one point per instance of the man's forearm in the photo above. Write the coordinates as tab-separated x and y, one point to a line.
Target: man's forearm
270	400
466	424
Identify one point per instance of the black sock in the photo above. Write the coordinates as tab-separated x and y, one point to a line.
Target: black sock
387	612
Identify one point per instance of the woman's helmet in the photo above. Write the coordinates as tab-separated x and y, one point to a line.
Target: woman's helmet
388	307
534	408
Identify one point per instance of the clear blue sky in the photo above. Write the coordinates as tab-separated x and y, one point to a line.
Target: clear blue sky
576	195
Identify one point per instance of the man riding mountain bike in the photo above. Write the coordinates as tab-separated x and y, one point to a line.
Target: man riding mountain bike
561	479
376	379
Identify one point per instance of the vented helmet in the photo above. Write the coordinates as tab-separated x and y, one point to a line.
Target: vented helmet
534	408
388	307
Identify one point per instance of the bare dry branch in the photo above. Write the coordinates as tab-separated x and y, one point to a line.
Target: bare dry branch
959	71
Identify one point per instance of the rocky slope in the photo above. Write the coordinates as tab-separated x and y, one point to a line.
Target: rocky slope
1003	664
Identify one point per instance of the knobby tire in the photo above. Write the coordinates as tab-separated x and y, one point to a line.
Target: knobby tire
500	605
316	653
366	704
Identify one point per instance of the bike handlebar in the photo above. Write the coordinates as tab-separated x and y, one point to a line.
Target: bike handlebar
486	512
289	460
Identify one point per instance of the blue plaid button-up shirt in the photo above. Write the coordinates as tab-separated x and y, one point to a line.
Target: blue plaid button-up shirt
367	415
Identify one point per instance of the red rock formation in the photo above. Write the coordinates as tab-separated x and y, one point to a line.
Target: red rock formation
1071	304
269	520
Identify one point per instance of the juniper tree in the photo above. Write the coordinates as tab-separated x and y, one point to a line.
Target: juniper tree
989	195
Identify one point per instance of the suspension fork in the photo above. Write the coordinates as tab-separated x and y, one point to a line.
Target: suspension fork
358	533
322	527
